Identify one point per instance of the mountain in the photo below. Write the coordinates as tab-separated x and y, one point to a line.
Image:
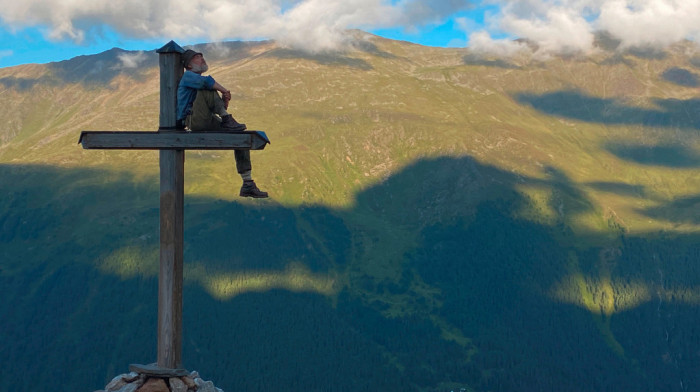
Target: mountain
440	220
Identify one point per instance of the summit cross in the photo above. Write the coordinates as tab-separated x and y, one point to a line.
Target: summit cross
172	143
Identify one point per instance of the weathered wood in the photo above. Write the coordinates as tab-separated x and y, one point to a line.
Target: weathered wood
154	370
172	143
172	168
172	206
178	140
171	71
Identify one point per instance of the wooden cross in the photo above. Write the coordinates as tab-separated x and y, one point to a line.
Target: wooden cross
172	143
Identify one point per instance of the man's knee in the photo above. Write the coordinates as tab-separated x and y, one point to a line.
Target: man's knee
207	97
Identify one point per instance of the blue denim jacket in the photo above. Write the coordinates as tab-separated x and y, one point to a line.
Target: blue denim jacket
187	91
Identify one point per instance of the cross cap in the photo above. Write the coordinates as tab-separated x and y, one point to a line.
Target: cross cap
171	47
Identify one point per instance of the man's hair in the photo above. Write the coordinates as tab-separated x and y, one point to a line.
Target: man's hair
187	57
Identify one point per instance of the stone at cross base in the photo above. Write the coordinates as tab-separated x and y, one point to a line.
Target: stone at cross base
159	380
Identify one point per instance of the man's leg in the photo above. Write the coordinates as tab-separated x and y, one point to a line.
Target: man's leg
205	107
249	189
209	113
243	164
203	118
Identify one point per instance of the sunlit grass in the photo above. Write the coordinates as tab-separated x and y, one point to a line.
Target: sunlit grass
601	296
295	278
604	296
133	261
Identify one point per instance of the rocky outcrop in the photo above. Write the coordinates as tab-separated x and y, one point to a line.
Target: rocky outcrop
161	381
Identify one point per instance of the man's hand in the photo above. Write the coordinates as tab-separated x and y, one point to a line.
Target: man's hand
226	97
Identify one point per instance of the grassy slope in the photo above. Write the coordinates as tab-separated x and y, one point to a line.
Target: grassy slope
384	168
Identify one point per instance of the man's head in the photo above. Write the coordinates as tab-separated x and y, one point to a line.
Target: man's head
194	61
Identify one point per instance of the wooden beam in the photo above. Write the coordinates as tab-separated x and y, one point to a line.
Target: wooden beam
172	174
171	72
172	206
174	140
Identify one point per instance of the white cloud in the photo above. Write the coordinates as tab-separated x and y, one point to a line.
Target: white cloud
312	24
557	30
132	60
482	43
567	26
6	53
316	25
651	23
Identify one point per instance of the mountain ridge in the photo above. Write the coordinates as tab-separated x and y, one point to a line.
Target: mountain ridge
439	221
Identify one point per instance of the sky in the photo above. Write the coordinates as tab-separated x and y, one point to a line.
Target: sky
41	31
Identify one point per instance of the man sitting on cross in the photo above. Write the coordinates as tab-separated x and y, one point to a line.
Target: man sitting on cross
200	108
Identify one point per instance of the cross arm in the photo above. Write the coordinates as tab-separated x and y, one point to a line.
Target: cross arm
174	140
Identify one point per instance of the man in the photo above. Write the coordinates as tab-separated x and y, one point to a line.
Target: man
200	108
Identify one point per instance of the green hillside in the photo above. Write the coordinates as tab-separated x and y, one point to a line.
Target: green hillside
439	220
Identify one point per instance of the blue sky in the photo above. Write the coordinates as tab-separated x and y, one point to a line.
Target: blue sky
30	45
32	42
40	31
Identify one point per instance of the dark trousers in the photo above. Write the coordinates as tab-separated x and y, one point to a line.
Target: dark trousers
204	118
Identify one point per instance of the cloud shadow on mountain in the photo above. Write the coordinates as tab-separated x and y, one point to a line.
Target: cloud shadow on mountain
96	70
618	188
680	210
329	59
370	48
576	105
475	59
647	53
24	84
681	77
439	277
100	69
668	155
227	51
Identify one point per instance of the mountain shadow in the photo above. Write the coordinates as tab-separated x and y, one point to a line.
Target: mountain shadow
437	278
576	105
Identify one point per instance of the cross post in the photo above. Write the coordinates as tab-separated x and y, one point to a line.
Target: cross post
172	143
172	195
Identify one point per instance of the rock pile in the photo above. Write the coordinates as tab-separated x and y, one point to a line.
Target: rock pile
137	381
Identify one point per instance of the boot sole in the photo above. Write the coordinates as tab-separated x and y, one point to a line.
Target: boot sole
254	196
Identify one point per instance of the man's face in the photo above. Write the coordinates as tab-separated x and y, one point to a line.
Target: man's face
198	64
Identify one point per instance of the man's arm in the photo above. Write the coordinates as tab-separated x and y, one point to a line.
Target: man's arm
225	93
198	82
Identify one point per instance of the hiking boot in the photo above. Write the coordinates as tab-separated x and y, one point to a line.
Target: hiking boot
249	189
228	123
